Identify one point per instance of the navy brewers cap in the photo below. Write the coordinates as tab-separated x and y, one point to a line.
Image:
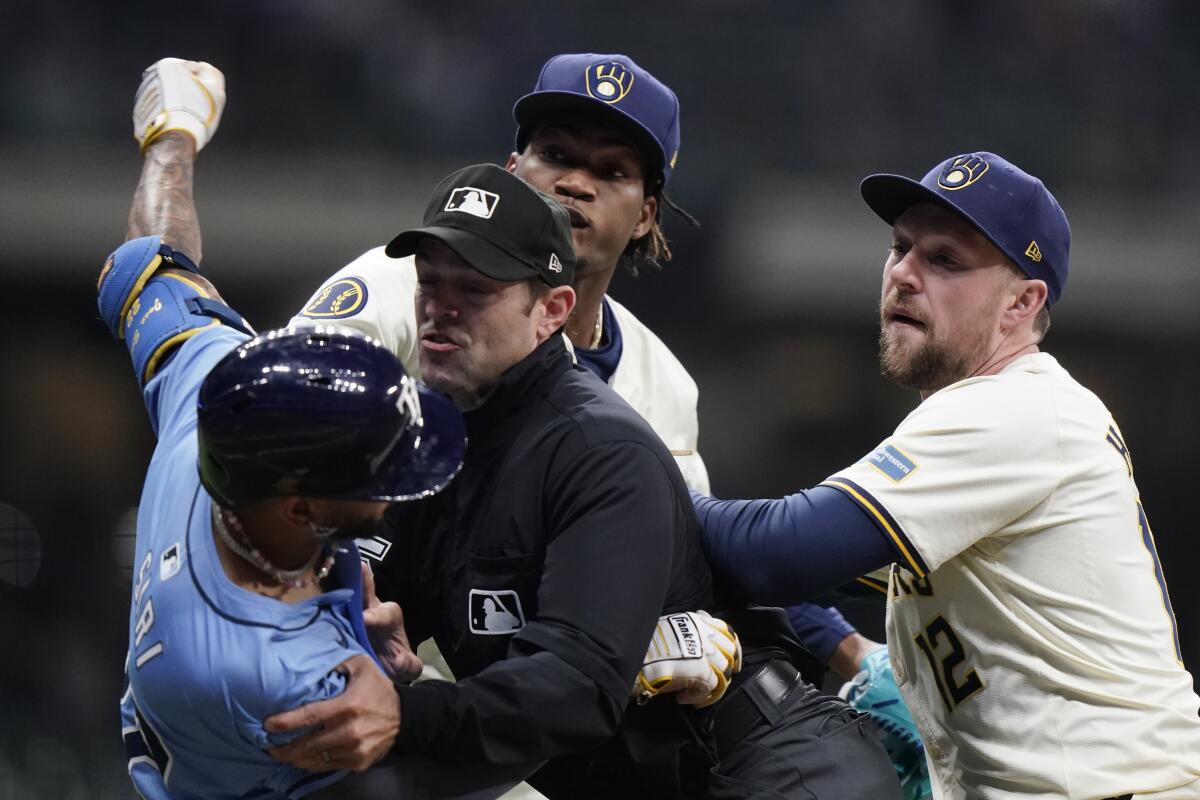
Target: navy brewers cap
1008	205
498	224
613	85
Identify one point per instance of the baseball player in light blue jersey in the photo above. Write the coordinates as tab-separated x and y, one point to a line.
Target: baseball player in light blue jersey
273	454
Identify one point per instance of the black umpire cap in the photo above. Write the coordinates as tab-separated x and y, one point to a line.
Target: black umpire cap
498	224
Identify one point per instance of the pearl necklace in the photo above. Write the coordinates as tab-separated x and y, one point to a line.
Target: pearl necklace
295	578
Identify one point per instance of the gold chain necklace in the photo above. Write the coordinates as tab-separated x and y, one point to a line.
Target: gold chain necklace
598	331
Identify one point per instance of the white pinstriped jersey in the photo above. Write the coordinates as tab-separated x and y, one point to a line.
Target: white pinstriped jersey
374	294
1030	631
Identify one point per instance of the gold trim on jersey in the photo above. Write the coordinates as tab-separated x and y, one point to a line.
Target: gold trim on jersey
884	521
872	583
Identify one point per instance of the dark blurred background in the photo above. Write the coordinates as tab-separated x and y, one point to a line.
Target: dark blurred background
342	116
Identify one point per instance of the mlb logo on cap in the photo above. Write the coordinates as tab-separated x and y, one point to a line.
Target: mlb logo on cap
469	200
472	200
500	225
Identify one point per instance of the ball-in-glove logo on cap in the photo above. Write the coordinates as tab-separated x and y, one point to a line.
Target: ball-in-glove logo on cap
608	81
962	172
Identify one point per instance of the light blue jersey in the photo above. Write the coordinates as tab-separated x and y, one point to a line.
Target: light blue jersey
208	660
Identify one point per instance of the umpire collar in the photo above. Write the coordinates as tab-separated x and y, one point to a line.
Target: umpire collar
516	386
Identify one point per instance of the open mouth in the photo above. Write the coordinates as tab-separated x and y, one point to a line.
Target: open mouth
578	220
904	319
433	340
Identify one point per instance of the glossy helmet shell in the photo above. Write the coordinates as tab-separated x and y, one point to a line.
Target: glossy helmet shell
322	412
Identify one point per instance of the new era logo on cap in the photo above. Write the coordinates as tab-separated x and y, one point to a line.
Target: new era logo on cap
555	265
476	202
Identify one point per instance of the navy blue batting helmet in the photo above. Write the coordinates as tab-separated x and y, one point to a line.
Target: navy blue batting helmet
322	412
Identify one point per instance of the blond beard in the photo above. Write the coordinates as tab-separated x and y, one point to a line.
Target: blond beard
929	365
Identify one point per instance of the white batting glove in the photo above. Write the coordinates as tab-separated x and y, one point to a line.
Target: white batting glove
692	655
178	95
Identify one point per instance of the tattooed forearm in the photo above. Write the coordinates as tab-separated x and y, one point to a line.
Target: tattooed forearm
162	203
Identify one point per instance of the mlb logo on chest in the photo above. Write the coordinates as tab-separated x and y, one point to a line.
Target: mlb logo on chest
494	612
170	562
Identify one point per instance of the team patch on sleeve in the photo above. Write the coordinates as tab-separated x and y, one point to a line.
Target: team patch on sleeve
884	521
892	462
342	298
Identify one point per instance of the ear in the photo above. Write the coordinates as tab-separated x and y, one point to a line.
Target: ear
511	164
557	305
1027	299
646	216
296	510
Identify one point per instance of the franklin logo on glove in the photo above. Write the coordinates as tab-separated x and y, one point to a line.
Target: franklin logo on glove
692	654
689	642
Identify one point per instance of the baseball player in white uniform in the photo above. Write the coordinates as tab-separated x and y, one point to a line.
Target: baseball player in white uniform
374	293
1028	622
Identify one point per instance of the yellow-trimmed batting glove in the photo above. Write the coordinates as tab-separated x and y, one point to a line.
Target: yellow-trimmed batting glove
178	95
692	655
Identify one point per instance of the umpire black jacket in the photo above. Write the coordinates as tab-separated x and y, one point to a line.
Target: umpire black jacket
541	571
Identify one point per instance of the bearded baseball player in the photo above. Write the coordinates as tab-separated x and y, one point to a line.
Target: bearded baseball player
1028	622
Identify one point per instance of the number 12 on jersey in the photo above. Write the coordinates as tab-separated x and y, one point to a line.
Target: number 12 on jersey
954	692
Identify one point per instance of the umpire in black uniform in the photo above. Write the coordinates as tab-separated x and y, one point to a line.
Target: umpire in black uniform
541	571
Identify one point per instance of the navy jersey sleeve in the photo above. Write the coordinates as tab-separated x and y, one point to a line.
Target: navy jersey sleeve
785	551
820	629
613	520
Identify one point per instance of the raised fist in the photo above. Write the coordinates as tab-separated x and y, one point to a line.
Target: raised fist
178	95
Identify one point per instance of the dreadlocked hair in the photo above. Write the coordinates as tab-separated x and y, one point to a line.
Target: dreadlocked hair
651	249
647	252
